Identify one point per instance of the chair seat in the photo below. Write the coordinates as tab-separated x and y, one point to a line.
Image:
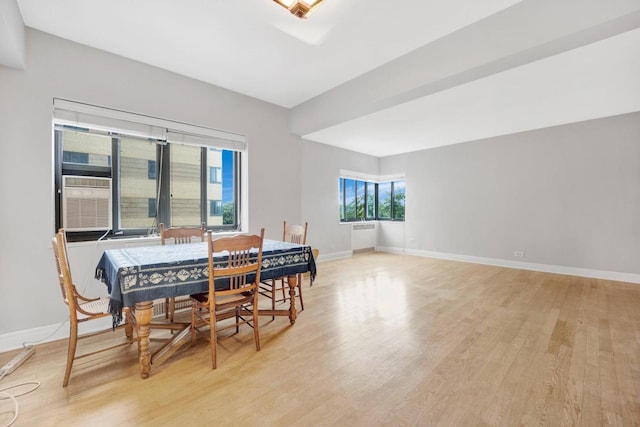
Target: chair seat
95	308
225	302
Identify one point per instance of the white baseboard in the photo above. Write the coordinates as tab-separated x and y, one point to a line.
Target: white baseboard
547	268
15	340
334	255
44	334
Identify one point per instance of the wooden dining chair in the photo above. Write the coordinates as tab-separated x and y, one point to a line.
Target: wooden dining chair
179	236
239	274
82	309
272	288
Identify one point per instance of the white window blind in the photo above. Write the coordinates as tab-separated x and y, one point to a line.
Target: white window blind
207	137
122	122
360	176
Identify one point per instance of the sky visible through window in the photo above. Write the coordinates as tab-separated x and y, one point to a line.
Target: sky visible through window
227	176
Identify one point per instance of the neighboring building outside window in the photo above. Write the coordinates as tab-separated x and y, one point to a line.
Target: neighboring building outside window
136	158
185	170
136	184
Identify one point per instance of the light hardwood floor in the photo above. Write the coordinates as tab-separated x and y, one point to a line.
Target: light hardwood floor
384	340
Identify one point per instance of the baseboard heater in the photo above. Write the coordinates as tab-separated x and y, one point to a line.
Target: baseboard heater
363	237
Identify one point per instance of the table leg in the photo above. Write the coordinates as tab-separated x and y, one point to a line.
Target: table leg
129	324
293	282
144	314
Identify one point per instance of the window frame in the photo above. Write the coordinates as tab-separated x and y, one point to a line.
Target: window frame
371	194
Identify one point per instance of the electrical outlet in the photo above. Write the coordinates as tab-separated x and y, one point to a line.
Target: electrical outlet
14	363
518	254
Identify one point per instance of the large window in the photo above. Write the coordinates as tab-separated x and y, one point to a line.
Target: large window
368	201
146	181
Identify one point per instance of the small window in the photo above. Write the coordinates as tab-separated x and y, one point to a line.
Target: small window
151	169
75	157
152	208
215	175
215	207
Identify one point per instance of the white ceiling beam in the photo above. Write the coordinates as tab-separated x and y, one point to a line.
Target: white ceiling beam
523	33
12	41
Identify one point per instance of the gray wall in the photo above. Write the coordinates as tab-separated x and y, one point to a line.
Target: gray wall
321	165
566	196
29	294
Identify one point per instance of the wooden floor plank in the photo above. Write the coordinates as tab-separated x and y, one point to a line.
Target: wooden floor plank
384	339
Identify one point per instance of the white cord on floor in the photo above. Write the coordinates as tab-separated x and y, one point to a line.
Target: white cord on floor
5	395
15	407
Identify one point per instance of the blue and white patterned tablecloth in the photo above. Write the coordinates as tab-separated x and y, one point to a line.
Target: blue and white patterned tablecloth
147	273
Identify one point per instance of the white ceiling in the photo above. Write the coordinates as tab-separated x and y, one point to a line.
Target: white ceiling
598	80
566	60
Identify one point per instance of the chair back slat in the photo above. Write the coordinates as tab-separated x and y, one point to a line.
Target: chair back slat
295	233
242	261
181	235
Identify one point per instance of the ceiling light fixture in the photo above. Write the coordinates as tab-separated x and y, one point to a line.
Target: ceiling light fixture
301	9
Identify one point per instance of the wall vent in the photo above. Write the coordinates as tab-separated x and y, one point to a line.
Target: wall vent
369	226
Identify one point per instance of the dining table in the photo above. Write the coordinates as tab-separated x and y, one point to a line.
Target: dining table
139	275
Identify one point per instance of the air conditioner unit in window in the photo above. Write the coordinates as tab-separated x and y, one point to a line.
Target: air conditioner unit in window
86	203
